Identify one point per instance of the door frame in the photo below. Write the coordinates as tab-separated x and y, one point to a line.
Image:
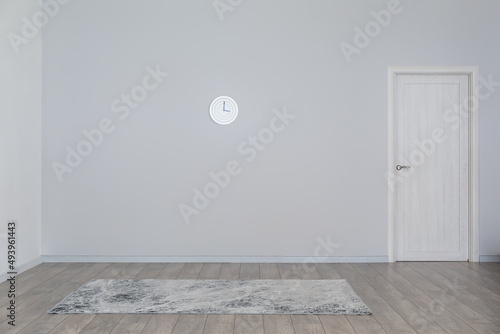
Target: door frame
473	187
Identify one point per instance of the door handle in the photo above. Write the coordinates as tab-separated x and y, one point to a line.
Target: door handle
399	167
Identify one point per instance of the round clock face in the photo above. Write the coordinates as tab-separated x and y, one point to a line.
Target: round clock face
223	110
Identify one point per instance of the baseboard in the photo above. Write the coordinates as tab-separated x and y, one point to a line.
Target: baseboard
226	259
23	268
219	259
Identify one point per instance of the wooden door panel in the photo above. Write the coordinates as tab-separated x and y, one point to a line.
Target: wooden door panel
431	204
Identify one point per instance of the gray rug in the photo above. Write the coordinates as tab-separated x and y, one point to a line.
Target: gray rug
214	297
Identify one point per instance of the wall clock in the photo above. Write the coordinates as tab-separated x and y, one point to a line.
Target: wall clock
223	110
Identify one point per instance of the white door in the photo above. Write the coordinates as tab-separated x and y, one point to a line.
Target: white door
430	157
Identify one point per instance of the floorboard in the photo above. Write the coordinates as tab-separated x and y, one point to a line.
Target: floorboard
478	277
365	325
493	266
464	296
131	271
131	324
482	268
73	324
230	271
249	324
308	271
102	323
327	271
171	271
30	284
333	324
427	304
411	297
403	305
462	311
249	271
278	324
385	316
190	271
210	271
161	324
288	271
26	295
219	324
480	291
269	271
151	271
30	309
190	324
307	324
24	276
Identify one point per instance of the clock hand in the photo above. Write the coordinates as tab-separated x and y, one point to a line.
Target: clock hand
224	107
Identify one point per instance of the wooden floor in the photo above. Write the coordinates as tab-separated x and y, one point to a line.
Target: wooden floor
410	297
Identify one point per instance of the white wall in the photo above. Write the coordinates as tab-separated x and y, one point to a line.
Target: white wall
20	135
322	176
